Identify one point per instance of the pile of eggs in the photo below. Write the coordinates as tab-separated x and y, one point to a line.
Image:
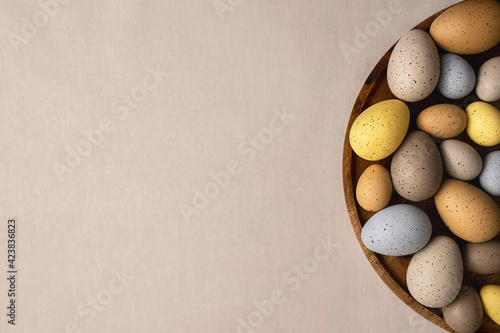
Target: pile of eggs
431	163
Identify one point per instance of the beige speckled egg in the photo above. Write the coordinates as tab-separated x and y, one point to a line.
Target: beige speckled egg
483	123
413	68
490	296
465	313
488	80
379	130
442	121
435	273
374	188
416	167
469	27
460	160
468	212
482	258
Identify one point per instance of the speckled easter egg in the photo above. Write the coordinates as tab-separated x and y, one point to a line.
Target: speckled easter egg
488	80
397	230
416	167
435	273
490	296
483	123
374	188
468	212
379	130
469	27
482	258
413	68
457	78
490	176
465	313
460	160
442	121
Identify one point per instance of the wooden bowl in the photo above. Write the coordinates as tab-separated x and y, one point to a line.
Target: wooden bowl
393	269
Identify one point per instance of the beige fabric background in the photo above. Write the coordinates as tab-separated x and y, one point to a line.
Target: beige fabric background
117	210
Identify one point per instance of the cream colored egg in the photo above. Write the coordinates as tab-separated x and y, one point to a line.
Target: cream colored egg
413	68
483	123
379	130
468	212
469	27
435	273
442	121
488	80
490	296
374	188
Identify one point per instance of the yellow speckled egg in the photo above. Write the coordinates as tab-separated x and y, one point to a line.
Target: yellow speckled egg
379	130
374	188
469	27
490	296
483	123
443	121
468	212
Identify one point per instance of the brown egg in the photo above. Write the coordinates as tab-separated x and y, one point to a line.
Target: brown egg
465	313
416	167
469	27
482	258
467	211
443	121
374	188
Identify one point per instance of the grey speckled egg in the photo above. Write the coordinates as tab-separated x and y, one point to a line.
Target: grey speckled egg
465	313
488	80
490	176
397	230
413	68
482	258
416	167
435	273
460	160
457	78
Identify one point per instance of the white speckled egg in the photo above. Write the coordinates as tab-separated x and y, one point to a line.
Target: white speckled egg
465	313
457	78
460	160
397	230
435	273
488	80
413	68
490	176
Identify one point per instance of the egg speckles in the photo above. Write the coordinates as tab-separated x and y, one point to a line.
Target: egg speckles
469	27
483	123
416	167
413	68
468	212
490	176
435	273
379	130
457	78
